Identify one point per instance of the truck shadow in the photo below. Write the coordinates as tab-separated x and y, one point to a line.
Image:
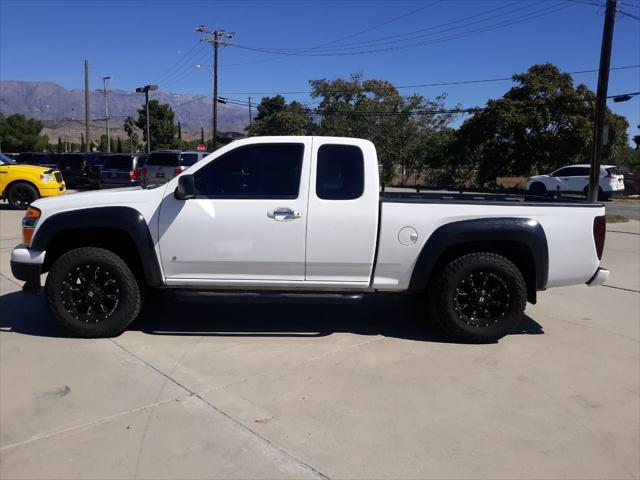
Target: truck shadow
182	315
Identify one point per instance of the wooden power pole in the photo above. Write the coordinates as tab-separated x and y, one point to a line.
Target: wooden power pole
87	108
599	131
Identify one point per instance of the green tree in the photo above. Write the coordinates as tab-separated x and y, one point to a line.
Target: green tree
275	117
60	146
201	134
636	139
375	110
19	134
179	131
161	127
119	146
540	124
130	130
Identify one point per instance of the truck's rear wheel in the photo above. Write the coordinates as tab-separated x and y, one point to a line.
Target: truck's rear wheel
479	297
92	293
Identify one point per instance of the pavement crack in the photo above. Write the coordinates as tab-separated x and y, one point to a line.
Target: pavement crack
622	288
82	426
316	473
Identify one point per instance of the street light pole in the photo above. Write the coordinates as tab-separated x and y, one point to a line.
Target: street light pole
105	80
146	89
214	37
601	100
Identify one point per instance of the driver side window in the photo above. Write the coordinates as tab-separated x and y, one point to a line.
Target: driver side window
261	171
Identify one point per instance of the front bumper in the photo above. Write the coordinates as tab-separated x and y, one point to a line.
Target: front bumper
601	276
58	189
26	265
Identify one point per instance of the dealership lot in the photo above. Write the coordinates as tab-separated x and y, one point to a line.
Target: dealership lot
198	388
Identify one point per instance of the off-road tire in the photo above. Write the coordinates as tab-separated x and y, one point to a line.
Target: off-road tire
114	278
21	195
443	297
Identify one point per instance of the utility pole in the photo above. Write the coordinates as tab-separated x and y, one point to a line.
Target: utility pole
250	111
214	38
87	110
599	132
146	89
105	81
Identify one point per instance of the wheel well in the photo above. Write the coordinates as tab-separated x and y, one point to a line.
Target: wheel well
518	253
13	182
113	239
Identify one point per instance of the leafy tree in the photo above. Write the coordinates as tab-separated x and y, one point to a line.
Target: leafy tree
375	110
201	134
636	139
19	134
542	123
161	127
179	131
275	117
60	146
119	146
131	131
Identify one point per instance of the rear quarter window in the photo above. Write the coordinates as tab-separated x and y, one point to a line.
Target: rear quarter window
189	159
119	163
340	172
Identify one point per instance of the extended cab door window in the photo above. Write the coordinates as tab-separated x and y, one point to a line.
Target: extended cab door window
248	221
340	172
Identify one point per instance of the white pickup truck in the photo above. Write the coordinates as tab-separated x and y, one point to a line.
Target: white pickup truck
304	218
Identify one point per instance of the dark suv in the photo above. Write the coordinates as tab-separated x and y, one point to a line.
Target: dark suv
120	170
75	167
163	165
43	159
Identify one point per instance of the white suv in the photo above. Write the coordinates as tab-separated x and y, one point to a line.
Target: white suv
575	179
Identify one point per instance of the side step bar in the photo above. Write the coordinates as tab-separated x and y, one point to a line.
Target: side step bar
272	297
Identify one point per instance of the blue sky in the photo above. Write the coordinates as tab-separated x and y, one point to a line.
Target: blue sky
139	42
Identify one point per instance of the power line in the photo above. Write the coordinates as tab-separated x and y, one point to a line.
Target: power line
175	64
439	84
512	21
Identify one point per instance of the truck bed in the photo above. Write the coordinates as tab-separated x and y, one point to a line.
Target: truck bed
483	199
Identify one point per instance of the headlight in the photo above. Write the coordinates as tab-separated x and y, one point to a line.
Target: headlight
46	177
29	222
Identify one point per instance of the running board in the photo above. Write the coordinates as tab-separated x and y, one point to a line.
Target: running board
273	297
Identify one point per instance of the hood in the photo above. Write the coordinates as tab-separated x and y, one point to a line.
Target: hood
28	169
127	196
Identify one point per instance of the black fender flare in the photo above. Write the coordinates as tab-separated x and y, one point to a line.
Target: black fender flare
126	219
524	232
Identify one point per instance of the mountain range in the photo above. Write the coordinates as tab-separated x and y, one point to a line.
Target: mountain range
56	106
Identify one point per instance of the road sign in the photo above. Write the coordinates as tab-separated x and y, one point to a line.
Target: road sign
201	147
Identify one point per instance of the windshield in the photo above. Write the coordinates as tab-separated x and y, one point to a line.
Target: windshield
4	160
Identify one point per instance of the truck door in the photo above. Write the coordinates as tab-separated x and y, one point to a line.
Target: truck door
343	212
247	224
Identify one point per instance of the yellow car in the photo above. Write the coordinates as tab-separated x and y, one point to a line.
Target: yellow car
22	184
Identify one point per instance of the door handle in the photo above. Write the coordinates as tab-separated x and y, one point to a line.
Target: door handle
282	214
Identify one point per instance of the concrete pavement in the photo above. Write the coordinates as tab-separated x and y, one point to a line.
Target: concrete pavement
197	389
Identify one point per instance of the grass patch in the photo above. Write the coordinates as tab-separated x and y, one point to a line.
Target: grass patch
616	219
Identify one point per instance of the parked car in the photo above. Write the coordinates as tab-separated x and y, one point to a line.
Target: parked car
163	165
302	218
120	170
141	162
75	167
575	179
21	185
93	167
11	155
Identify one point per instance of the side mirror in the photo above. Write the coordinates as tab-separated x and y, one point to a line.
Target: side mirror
186	188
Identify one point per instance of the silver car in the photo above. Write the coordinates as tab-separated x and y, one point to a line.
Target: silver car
163	165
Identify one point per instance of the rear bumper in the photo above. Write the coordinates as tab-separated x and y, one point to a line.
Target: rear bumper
601	276
26	265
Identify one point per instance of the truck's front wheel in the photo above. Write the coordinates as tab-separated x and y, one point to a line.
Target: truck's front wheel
479	297
92	293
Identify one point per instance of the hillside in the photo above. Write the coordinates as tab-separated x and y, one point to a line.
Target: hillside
60	107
